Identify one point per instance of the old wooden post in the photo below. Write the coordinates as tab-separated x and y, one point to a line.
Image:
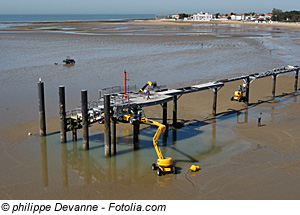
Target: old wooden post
136	128
214	110
296	80
165	113
74	134
62	114
165	121
85	120
114	136
42	111
274	86
107	130
175	110
247	89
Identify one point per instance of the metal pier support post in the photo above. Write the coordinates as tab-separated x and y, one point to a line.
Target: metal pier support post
165	113
114	136
214	110
174	110
274	86
136	129
74	135
107	130
62	115
165	121
85	120
42	111
247	89
296	80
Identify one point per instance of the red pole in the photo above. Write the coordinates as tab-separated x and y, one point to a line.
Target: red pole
125	79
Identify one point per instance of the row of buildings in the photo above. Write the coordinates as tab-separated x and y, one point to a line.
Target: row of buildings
224	17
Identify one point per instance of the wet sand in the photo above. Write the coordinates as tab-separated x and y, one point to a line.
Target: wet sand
266	168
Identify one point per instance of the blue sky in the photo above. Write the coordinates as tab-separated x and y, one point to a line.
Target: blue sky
142	6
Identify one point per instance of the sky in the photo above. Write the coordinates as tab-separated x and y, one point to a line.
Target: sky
143	6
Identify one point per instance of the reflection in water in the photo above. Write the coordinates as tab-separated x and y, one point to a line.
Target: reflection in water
44	161
64	164
195	143
240	120
87	176
174	135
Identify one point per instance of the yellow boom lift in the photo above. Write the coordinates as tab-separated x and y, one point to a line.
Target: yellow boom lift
163	164
149	83
239	95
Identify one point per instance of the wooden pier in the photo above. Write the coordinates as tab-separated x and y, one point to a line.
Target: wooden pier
110	106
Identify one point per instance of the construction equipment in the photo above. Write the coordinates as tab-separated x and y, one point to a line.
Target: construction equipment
149	83
127	115
163	164
194	168
69	60
239	95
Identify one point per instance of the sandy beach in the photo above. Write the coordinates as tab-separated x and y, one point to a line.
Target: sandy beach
264	166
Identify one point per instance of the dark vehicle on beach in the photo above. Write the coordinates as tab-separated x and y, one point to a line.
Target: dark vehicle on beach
69	61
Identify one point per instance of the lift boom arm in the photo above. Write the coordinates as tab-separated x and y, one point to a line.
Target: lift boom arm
161	128
148	83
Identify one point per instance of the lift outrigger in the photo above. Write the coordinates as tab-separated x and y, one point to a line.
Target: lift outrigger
163	164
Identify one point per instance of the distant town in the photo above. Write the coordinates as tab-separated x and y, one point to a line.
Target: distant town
276	15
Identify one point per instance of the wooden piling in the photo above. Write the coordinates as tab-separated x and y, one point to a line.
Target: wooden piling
62	115
136	128
174	110
107	130
165	122
247	89
85	120
296	80
42	111
274	86
114	136
165	113
214	109
74	135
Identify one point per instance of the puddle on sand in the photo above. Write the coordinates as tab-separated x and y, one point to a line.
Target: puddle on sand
66	165
47	162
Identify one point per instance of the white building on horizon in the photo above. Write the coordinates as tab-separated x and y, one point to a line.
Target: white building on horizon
238	17
203	17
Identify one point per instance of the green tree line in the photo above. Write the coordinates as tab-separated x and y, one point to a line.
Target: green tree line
287	16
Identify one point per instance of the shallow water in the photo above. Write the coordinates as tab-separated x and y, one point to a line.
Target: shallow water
50	164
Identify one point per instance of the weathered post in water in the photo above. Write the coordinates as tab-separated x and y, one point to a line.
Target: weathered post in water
107	130
214	110
296	80
165	121
85	120
42	111
165	112
62	115
247	89
175	110
114	136
274	86
136	128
